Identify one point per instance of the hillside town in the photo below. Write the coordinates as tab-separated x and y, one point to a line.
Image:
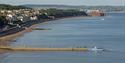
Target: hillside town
14	17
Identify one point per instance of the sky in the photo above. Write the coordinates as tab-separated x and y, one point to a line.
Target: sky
66	2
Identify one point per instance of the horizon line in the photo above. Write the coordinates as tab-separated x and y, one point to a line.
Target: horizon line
59	4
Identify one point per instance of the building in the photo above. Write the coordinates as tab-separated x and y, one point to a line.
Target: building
95	13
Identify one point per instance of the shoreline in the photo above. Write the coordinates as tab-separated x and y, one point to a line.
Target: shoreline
29	29
5	40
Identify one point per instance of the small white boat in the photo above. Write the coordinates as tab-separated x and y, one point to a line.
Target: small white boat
102	19
96	49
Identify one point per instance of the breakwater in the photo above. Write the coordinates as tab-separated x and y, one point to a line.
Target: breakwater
42	49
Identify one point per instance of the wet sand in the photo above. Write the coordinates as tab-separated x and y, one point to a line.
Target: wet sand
5	41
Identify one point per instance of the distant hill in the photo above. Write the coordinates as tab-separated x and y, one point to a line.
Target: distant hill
10	7
105	8
52	6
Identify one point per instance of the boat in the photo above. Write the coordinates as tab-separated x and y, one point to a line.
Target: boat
102	19
96	49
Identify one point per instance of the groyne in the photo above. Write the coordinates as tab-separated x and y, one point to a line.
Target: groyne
42	49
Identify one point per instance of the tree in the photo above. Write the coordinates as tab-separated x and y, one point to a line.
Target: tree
2	21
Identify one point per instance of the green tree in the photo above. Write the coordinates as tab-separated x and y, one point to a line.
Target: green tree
2	21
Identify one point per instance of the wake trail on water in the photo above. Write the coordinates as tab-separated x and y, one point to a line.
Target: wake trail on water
96	49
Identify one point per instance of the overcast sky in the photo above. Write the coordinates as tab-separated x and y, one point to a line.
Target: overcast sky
65	2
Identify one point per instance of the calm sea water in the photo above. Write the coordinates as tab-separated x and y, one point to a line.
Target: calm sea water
106	32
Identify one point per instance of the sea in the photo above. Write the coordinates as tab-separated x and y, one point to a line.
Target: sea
106	32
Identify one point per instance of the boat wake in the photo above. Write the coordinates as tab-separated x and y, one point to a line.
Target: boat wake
96	49
99	49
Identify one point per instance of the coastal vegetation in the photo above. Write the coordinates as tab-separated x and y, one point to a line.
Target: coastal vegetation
59	13
2	21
